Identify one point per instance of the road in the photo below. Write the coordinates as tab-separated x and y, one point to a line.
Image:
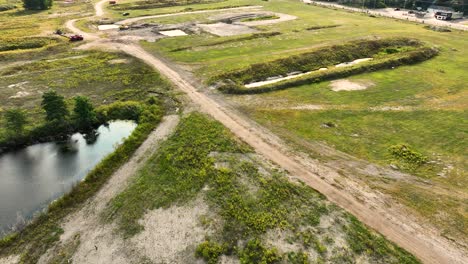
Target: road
398	15
425	245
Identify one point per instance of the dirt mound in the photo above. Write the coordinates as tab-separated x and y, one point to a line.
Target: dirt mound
347	85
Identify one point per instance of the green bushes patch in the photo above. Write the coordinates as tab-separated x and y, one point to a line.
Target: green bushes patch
246	203
25	43
405	153
388	53
176	173
6	7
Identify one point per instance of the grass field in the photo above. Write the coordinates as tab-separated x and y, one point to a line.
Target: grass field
255	213
422	106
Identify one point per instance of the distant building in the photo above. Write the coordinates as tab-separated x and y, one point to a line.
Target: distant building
444	13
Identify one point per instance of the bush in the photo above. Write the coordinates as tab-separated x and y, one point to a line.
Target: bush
6	7
210	251
255	253
37	4
129	110
25	43
405	153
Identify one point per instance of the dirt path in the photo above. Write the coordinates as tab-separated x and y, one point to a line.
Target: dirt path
98	7
98	242
396	226
377	12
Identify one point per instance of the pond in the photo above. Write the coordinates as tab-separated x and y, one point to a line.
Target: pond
33	177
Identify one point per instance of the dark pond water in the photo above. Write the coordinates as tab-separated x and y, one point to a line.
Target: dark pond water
33	177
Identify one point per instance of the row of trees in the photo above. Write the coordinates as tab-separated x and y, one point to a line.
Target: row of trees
37	4
56	110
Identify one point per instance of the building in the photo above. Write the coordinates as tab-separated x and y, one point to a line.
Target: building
444	13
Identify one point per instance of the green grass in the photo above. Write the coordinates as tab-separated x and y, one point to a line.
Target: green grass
432	94
247	202
209	5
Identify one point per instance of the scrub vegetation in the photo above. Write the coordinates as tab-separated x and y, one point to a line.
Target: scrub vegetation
254	209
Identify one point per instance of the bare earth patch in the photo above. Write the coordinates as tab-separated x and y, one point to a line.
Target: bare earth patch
347	85
170	233
10	260
223	29
119	61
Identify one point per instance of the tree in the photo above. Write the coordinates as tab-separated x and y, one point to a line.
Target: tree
15	120
54	106
84	113
37	4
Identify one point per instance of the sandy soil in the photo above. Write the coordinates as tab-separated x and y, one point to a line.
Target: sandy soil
372	207
223	29
347	85
169	234
10	260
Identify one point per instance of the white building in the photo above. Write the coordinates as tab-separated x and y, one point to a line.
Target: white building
444	13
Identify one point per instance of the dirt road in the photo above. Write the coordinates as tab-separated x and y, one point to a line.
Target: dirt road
426	245
99	9
385	13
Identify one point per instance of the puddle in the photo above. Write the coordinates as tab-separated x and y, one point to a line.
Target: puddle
108	27
173	33
223	29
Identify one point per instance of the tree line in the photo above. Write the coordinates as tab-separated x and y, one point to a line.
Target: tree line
56	113
37	4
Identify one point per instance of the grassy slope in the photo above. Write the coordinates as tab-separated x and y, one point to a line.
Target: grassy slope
434	92
250	203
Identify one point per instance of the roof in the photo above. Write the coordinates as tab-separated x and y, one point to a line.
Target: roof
442	8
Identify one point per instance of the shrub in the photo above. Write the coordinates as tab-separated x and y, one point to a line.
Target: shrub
37	4
255	253
210	251
405	153
6	7
25	43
